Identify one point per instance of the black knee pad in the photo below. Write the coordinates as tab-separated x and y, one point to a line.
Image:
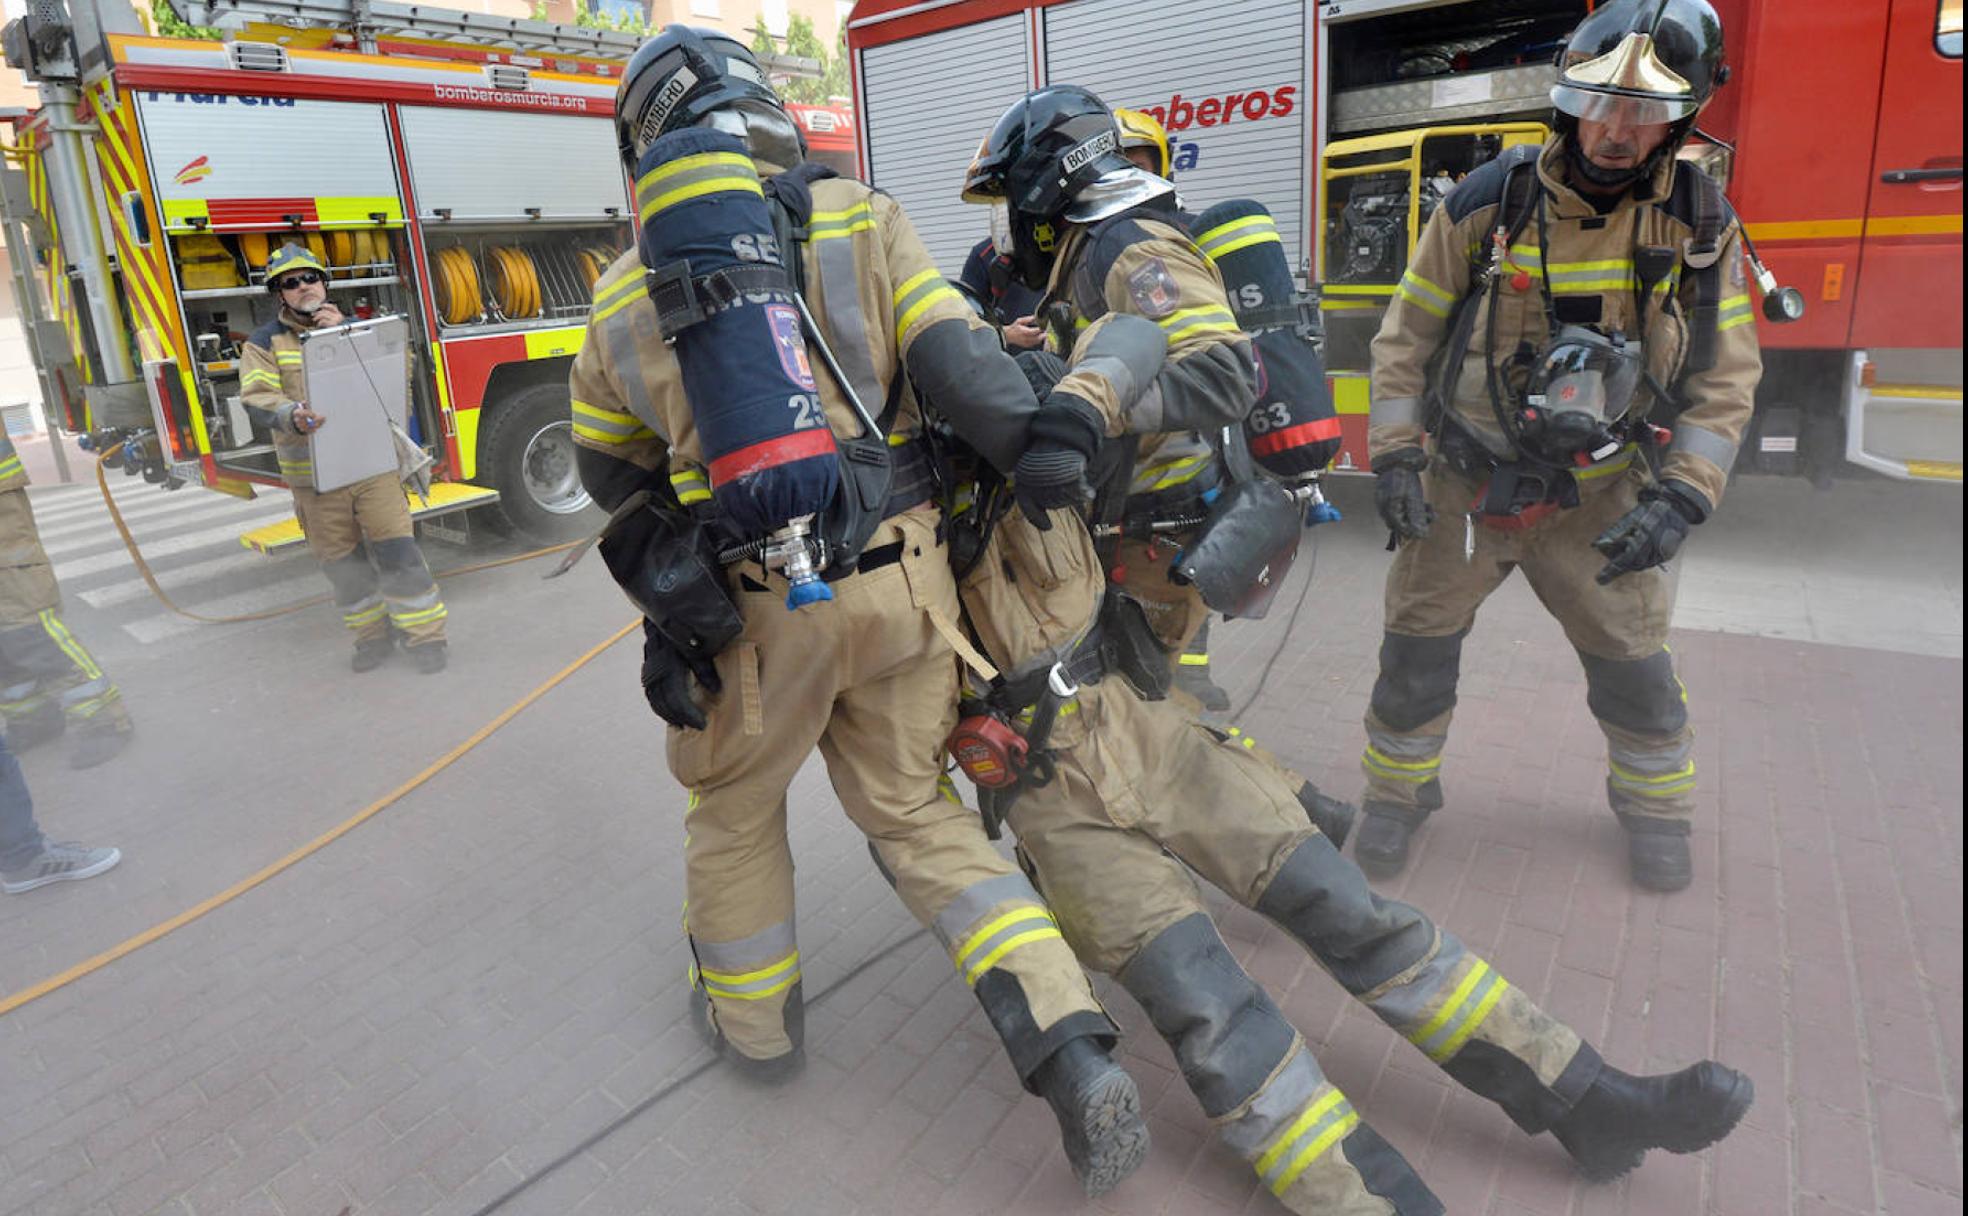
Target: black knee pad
1227	1035
1640	695
1417	678
401	565
1323	900
351	577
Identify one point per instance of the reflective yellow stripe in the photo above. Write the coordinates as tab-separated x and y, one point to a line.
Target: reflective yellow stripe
749	977
690	487
1470	1025
984	964
608	426
640	293
1309	1116
923	305
69	646
1734	312
1205	318
10	466
616	288
288	358
1618	464
914	281
1449	1007
703	167
1439	294
1193	660
423	617
1178	471
1238	234
1404	292
372	613
260	375
1022	912
1558	268
829	225
1412	766
1326	1140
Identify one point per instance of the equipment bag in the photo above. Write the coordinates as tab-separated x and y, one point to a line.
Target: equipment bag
725	302
1293	428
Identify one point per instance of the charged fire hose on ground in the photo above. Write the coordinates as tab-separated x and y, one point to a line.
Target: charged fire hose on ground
157	589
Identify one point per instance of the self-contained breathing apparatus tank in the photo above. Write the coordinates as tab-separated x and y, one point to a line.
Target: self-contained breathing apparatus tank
1293	430
723	297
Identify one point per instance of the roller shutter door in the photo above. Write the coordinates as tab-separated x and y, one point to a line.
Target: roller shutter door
1186	60
930	101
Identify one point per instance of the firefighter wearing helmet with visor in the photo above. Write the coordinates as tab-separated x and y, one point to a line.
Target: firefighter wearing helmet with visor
361	534
762	278
1586	311
1119	795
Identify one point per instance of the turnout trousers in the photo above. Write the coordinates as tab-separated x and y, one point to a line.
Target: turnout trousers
869	678
1141	792
363	538
1619	631
44	668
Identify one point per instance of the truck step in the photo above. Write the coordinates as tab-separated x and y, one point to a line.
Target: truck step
445	497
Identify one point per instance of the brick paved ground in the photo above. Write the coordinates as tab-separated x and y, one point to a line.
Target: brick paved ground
427	1013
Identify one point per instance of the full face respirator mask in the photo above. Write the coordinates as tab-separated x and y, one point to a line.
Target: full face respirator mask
1581	386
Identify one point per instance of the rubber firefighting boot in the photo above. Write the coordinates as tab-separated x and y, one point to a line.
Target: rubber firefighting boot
98	744
1609	1129
1381	848
1657	853
1333	818
370	653
775	1071
1099	1113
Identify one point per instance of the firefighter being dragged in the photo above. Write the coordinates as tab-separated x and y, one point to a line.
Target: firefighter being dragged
1137	790
866	667
49	682
1145	262
361	534
1572	296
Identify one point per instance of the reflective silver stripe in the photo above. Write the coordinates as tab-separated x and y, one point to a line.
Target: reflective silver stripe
1468	1005
1189	318
72	696
619	331
1273	1108
768	945
1700	441
1019	925
1655	763
961	914
1401	1000
414	603
847	329
1394	411
1323	1123
1406	747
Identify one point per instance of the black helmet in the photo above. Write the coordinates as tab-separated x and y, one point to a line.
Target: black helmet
1660	60
1047	147
676	78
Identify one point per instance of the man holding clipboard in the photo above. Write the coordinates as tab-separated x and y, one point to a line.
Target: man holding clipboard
360	531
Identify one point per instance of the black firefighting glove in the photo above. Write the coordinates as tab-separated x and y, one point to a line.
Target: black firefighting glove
666	676
1652	532
1398	494
1064	435
1042	369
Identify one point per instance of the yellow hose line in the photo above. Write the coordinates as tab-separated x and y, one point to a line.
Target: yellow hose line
156	589
90	966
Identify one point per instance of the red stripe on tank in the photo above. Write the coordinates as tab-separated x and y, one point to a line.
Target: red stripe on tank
1295	436
757	457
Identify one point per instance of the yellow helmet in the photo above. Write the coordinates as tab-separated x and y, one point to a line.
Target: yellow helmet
291	256
1140	130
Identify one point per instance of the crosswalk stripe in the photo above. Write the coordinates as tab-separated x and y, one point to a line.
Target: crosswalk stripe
71	568
100	525
165	625
138	502
131	589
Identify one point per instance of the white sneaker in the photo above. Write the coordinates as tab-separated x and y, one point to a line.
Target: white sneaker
65	862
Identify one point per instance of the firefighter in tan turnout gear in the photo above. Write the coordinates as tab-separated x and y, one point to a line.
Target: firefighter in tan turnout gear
1142	261
361	534
1120	794
49	682
1574	298
865	667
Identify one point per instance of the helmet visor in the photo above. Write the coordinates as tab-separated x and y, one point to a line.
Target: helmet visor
1595	105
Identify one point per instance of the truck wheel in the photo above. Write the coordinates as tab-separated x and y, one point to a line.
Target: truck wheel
527	454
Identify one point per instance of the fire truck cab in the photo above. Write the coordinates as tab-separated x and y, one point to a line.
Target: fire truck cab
1838	138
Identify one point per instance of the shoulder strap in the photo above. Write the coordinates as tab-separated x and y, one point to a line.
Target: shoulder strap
1697	201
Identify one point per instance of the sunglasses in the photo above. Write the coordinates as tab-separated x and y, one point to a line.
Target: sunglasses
300	278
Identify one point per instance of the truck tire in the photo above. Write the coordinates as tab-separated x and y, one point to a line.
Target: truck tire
527	454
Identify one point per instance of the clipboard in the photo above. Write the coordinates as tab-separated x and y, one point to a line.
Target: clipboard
357	377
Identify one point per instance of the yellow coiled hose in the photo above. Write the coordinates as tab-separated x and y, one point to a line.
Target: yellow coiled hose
515	282
458	297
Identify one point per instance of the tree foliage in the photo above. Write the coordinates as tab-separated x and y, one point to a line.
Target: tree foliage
802	40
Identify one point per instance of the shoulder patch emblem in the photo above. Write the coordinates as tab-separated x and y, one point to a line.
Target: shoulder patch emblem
1153	289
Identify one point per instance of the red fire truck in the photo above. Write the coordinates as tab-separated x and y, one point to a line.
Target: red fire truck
1838	138
453	167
